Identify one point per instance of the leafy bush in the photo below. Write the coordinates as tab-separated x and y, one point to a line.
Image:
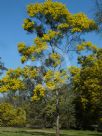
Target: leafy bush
10	116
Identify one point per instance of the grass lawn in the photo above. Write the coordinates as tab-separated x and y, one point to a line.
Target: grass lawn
44	132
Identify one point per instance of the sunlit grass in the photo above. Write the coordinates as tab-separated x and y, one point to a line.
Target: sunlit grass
44	132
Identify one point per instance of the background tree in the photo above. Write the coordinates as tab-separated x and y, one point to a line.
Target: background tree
98	14
87	86
2	67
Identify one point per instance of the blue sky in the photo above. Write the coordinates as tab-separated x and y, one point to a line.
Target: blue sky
12	13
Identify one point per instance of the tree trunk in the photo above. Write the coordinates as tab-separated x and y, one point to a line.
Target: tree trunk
57	112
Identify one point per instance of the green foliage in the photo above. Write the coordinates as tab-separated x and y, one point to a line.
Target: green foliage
10	116
42	113
87	86
67	109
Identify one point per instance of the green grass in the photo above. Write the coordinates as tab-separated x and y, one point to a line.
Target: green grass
44	132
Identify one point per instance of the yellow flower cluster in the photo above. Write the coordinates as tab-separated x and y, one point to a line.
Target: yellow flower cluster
59	77
55	10
50	35
28	52
80	22
49	75
40	45
73	70
54	79
12	81
58	12
63	26
4	88
51	85
23	59
39	92
56	58
16	84
34	9
14	73
11	84
86	45
21	46
28	25
30	72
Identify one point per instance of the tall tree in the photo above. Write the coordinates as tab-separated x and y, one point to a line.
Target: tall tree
55	29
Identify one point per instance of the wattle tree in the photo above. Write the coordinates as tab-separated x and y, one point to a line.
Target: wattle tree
54	29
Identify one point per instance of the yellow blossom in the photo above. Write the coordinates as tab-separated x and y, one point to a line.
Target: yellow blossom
39	91
40	45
